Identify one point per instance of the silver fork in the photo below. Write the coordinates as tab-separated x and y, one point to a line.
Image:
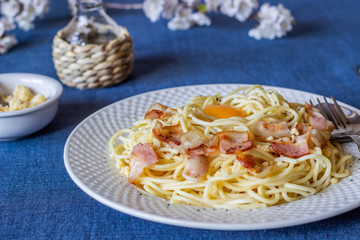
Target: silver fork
343	128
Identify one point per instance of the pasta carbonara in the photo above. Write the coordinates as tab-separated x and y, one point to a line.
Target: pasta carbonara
248	149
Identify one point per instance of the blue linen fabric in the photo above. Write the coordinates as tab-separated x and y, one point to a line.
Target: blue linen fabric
38	200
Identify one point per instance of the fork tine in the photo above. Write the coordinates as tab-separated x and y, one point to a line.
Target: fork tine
341	114
322	110
311	103
334	119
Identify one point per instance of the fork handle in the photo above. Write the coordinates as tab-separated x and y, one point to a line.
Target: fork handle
356	139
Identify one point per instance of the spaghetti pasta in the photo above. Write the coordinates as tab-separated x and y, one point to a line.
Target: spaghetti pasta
262	152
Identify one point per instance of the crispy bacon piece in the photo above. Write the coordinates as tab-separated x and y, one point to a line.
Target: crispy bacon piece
296	147
168	134
290	149
174	136
254	166
156	111
193	139
264	130
322	127
196	167
200	150
319	138
230	142
303	128
142	155
317	120
247	161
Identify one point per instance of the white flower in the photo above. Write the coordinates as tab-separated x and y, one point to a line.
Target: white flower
213	5
179	24
5	25
2	29
285	18
169	8
41	7
267	13
240	9
182	19
275	21
200	19
191	3
10	9
26	17
230	7
24	12
246	7
6	43
185	18
153	9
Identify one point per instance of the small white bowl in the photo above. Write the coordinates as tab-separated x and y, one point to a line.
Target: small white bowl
21	123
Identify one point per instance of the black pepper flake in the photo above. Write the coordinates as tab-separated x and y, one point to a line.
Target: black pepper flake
140	194
198	210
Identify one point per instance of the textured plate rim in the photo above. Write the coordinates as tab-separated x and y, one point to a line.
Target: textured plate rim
196	224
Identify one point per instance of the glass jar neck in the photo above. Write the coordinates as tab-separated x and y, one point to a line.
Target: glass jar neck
85	6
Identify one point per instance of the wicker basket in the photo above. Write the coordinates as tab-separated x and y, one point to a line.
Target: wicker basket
92	65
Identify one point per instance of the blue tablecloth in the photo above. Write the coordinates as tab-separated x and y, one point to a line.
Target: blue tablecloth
38	200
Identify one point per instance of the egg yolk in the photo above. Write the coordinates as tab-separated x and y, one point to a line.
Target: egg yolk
221	111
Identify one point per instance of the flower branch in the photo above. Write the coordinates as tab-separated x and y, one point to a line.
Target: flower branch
274	21
21	13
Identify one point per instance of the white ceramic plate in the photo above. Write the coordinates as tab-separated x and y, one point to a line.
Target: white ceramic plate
87	162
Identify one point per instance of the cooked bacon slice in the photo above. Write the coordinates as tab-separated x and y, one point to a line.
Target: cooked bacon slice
296	148
168	134
264	130
230	142
290	149
247	161
193	139
254	166
317	120
319	138
200	150
174	136
303	128
142	155
156	111
196	168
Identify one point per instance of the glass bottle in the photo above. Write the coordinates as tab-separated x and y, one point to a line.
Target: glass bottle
91	25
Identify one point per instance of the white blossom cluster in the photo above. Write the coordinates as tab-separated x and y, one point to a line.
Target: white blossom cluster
21	13
6	41
274	21
185	13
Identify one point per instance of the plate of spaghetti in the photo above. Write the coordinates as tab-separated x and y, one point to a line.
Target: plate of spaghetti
225	156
